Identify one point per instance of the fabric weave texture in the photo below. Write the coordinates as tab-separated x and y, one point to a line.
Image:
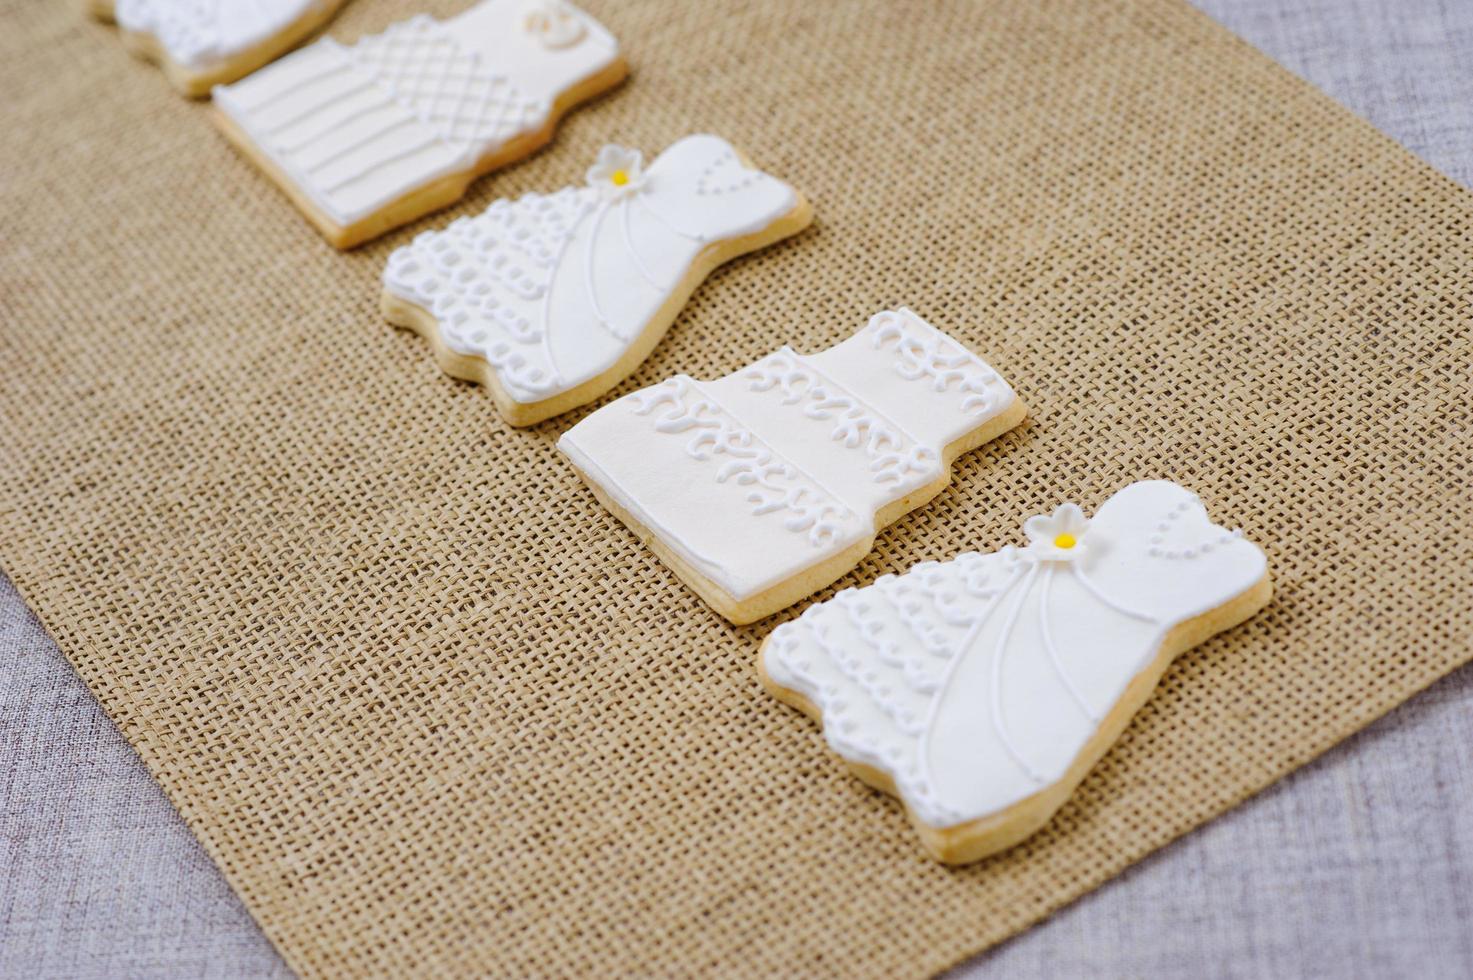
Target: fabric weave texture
431	709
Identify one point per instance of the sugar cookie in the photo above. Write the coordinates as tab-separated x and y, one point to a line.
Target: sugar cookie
202	43
764	486
551	300
982	690
367	137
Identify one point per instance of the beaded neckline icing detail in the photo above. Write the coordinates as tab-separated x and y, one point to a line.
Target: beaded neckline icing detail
717	177
1168	525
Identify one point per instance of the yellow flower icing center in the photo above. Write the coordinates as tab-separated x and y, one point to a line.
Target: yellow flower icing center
620	178
1065	541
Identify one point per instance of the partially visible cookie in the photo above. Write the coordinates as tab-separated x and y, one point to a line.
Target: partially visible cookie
551	300
369	136
982	690
203	43
764	486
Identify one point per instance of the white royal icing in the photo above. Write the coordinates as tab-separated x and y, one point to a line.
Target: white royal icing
358	127
976	682
759	475
200	33
552	290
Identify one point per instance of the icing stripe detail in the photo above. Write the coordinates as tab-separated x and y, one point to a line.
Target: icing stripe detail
970	638
649	277
1052	649
693	236
588	255
367	169
343	122
1124	610
999	725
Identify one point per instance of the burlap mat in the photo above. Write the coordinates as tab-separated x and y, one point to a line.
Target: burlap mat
432	709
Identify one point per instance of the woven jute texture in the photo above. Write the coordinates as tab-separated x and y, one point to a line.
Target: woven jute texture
434	711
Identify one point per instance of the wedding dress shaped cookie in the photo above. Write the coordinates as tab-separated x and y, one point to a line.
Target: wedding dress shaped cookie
201	43
551	300
764	486
982	690
369	136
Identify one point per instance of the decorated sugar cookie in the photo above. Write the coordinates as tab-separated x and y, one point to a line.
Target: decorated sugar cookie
764	486
200	43
551	300
982	690
369	136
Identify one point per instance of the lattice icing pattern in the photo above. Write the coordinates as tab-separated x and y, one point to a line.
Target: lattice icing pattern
755	477
976	682
551	290
463	100
358	128
197	33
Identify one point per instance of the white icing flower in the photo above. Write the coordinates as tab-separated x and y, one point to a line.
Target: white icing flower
1059	537
554	24
617	172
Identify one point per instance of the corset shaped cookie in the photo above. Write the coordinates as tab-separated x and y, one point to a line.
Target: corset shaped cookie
763	486
552	294
980	690
370	135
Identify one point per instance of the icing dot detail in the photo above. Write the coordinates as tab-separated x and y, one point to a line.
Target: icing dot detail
1196	549
716	178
